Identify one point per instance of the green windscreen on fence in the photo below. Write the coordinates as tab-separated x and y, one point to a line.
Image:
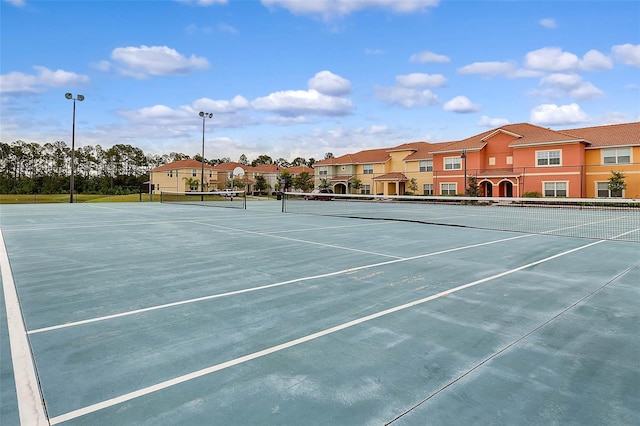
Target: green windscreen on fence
229	199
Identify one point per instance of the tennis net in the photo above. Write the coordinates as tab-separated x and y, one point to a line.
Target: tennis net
228	199
612	219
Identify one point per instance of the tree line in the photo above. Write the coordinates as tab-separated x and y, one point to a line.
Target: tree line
33	168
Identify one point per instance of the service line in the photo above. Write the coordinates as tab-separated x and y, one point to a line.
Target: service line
214	368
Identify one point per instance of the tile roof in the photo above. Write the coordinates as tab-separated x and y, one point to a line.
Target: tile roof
380	155
182	164
627	134
391	176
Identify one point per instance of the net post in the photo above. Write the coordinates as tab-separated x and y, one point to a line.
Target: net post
284	195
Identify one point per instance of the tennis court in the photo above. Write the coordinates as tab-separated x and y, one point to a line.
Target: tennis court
165	314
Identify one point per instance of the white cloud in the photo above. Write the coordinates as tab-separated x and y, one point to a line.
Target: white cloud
221	106
141	62
17	3
489	68
294	103
569	84
550	114
329	83
17	82
628	54
226	28
595	61
548	23
554	59
427	57
203	2
421	80
486	121
551	59
406	97
331	9
461	104
373	52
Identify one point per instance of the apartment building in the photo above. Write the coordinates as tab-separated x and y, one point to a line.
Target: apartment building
510	161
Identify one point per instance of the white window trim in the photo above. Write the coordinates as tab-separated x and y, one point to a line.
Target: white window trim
455	161
455	187
426	165
608	190
367	169
547	151
602	156
544	182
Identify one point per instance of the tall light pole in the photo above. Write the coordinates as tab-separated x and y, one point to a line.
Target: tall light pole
204	115
464	160
78	98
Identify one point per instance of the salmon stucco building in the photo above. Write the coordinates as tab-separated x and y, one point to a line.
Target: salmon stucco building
514	160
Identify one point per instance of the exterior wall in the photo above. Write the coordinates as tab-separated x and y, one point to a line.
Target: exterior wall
596	171
570	171
176	179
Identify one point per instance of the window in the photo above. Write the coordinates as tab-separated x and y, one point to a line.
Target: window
365	189
492	161
426	166
555	189
616	156
367	169
448	188
170	174
322	171
602	189
509	159
427	189
548	158
194	172
452	163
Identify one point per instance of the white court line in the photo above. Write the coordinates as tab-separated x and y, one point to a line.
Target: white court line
264	287
264	234
214	368
30	404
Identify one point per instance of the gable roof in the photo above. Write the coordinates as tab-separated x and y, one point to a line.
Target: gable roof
627	134
182	164
525	134
379	155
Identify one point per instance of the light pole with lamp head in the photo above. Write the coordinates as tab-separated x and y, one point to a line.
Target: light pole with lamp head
204	115
78	98
464	160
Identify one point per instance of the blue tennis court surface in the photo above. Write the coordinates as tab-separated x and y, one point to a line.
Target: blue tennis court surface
155	314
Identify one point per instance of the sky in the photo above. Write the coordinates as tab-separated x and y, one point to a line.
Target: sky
302	78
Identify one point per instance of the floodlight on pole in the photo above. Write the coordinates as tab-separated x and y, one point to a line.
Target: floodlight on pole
78	98
204	116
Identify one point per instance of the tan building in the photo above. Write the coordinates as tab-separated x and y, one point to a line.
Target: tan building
186	175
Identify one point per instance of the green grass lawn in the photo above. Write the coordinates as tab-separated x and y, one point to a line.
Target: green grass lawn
78	198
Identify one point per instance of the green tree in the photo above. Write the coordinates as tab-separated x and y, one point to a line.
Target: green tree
617	184
473	189
243	160
324	183
287	177
261	184
192	183
413	185
304	181
354	184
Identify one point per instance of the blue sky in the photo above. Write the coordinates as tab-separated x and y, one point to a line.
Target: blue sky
290	78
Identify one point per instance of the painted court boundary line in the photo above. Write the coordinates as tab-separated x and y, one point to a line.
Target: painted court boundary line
209	370
30	403
264	287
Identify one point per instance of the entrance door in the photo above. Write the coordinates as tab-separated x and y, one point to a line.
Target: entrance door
506	189
486	189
